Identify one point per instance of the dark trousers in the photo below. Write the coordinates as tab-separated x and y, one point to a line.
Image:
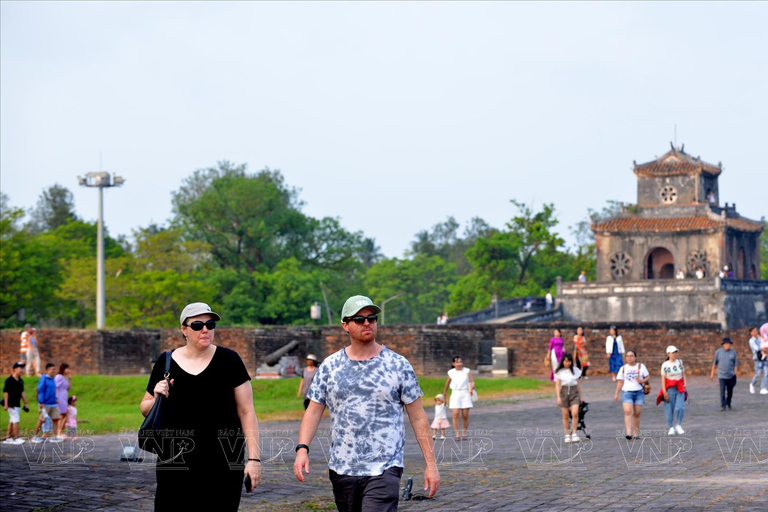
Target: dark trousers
726	391
367	493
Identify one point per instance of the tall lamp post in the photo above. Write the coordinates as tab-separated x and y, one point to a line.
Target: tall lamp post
100	180
384	304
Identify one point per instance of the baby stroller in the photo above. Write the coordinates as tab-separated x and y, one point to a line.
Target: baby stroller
583	410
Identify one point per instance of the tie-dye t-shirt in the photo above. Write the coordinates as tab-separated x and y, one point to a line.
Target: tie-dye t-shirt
365	399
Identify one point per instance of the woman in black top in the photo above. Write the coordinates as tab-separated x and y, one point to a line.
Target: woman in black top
209	410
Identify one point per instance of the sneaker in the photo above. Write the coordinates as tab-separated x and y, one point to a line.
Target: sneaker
764	391
751	388
56	439
9	440
434	436
441	438
567	438
37	440
671	431
679	429
575	438
19	440
722	409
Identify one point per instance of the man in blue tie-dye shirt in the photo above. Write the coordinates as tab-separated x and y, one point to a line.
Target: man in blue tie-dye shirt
365	387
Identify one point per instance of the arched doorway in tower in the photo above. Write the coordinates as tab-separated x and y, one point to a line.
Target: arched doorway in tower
741	264
660	264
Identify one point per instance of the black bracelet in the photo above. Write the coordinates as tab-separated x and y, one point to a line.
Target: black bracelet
254	460
300	446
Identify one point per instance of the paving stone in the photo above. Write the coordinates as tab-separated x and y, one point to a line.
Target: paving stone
514	461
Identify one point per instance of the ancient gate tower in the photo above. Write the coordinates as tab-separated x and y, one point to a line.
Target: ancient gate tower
678	225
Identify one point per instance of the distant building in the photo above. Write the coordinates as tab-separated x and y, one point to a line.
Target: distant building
678	223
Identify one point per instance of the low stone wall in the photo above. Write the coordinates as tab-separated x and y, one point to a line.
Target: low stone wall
429	348
731	303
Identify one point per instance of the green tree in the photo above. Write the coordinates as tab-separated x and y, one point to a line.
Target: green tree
444	241
424	281
158	248
370	253
55	207
16	276
248	221
523	260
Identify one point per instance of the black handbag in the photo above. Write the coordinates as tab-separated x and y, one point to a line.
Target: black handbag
151	430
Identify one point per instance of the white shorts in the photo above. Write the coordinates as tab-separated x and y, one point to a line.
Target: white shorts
13	412
460	399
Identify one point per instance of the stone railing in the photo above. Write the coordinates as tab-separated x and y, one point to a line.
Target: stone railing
645	287
657	286
501	308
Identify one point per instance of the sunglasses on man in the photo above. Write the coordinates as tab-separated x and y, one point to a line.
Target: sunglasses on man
360	320
197	325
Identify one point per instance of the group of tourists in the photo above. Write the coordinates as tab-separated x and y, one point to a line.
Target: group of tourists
633	378
56	409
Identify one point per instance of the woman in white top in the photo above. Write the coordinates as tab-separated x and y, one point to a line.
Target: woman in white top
630	380
673	388
568	392
462	384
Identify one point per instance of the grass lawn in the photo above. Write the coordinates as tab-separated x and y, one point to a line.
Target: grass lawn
110	404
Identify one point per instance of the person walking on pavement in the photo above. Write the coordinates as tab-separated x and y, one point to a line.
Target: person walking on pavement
366	387
761	363
614	348
13	394
580	351
630	380
48	404
462	385
568	393
209	400
674	386
554	352
306	378
63	383
725	362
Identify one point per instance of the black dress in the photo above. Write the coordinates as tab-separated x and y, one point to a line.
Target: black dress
205	463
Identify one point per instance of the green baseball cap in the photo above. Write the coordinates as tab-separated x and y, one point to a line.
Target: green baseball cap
355	304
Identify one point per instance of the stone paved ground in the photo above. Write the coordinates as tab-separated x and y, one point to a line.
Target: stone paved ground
513	461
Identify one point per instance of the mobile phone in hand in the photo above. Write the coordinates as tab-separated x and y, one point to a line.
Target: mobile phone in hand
247	483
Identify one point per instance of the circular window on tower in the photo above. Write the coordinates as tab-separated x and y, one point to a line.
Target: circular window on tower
621	265
668	194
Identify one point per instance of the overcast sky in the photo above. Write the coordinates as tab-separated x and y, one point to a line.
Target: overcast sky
391	116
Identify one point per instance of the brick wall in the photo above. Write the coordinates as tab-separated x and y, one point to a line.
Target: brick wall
696	342
429	348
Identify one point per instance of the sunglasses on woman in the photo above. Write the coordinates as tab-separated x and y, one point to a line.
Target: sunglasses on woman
197	325
360	320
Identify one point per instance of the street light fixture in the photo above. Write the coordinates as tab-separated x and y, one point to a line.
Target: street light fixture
100	180
384	304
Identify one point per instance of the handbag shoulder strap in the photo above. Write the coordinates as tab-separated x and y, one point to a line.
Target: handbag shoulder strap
167	372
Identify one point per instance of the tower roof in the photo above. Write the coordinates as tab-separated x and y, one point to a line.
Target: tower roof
676	162
675	224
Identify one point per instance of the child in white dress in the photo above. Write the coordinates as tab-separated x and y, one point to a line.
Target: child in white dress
441	417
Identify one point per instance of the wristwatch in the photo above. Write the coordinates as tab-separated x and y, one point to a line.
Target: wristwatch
300	446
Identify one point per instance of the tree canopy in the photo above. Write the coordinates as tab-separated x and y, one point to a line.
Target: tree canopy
242	242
